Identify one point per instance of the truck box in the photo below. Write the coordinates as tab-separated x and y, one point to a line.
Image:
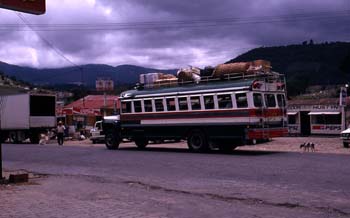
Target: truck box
26	115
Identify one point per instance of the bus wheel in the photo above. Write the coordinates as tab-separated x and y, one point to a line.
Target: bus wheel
141	143
34	137
197	141
112	141
346	144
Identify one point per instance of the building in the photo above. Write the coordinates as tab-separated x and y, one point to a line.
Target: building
317	116
104	84
84	112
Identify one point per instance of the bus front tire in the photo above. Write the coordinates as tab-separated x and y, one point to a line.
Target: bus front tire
346	144
141	143
197	141
112	141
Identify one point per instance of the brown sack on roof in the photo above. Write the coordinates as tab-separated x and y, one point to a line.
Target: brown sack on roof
167	76
239	67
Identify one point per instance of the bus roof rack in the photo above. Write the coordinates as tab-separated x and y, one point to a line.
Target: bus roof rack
270	76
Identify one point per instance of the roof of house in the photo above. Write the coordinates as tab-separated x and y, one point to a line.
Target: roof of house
95	102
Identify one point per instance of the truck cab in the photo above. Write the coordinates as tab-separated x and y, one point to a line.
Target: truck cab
96	133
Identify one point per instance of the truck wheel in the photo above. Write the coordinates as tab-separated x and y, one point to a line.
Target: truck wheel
197	141
3	137
14	138
346	144
141	143
34	139
112	141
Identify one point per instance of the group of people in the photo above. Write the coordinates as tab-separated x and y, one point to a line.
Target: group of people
61	132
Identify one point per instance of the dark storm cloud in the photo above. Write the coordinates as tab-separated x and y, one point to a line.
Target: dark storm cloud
165	44
279	29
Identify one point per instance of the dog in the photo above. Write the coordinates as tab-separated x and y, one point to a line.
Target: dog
308	146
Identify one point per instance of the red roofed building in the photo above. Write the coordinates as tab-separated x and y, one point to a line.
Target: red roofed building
86	111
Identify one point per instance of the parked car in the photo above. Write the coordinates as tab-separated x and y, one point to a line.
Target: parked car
345	136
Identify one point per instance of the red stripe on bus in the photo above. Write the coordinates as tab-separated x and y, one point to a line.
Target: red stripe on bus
267	133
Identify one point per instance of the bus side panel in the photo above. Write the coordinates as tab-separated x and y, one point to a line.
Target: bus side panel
213	131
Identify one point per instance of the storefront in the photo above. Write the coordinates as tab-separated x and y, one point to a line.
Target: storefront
312	117
83	113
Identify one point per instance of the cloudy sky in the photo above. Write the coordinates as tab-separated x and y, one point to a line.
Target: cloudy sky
164	33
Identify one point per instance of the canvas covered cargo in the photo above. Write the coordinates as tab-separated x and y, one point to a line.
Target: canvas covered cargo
242	67
166	82
231	68
151	78
259	65
163	76
189	74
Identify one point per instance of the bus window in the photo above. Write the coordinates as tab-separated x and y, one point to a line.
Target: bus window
241	100
258	100
137	106
270	100
126	107
209	102
170	104
183	104
148	105
195	103
281	100
224	101
159	105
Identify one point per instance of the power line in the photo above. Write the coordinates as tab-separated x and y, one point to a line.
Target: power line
48	43
305	17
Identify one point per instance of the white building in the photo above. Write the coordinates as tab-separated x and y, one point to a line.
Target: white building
317	116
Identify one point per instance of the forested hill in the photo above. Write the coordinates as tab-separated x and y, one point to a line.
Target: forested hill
306	64
87	74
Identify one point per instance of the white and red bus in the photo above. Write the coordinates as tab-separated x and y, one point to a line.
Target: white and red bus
220	114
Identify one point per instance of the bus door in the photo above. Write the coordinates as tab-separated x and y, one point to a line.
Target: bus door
270	107
258	100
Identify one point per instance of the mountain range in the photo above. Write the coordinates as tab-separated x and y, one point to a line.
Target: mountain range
86	74
304	65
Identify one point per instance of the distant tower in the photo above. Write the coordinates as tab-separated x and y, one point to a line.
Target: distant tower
104	85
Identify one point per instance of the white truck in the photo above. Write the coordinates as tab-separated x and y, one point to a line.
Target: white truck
97	134
26	115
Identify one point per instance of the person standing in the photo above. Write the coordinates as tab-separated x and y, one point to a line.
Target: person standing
60	133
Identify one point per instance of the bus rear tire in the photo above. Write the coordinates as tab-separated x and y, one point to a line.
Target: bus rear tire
346	144
141	143
112	141
197	141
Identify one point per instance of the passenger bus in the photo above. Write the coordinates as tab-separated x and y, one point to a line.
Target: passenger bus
213	114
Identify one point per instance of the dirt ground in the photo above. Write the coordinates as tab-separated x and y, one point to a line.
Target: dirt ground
323	144
333	145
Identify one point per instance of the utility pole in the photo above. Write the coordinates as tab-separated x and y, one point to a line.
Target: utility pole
37	7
